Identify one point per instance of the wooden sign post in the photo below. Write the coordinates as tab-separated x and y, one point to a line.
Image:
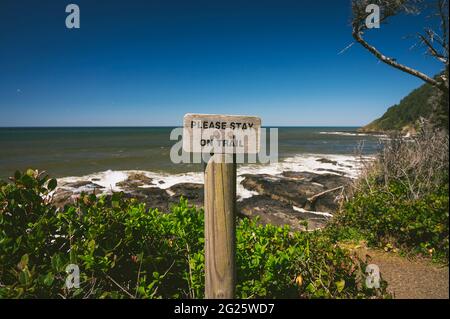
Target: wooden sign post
221	137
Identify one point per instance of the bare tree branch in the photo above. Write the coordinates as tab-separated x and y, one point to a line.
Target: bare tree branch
443	13
432	50
391	8
393	62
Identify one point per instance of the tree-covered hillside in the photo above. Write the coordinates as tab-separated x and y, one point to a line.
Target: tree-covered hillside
424	102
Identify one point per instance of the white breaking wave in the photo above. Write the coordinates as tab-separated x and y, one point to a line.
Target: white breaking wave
345	165
352	134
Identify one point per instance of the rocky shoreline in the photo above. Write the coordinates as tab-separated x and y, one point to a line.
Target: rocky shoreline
303	200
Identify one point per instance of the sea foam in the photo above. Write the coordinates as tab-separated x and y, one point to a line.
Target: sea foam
345	165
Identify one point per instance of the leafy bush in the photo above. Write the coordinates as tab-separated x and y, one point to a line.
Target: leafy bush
125	250
400	201
389	218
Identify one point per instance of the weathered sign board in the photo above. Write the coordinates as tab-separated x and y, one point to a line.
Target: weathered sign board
221	134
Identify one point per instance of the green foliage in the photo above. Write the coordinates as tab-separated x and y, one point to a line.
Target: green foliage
125	250
272	260
389	218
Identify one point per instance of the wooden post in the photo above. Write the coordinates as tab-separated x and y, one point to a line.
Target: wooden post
225	136
220	227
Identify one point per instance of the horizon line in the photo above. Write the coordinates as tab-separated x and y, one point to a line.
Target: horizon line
170	126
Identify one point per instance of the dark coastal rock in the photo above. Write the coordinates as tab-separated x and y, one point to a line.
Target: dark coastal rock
134	181
153	197
67	193
279	213
286	190
306	176
327	203
327	180
300	189
330	171
327	161
194	193
332	180
62	197
83	185
163	199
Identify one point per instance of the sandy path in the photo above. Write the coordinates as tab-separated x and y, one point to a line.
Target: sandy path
411	279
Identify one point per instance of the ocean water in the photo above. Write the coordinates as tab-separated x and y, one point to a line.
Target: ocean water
64	152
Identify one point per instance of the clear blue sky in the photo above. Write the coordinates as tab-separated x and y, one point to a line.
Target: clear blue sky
144	63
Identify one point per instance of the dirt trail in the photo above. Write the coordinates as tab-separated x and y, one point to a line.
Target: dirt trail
411	279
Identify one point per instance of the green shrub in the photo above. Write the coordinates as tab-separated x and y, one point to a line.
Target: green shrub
389	218
125	250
